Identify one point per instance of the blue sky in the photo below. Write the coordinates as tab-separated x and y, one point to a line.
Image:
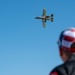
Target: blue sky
26	48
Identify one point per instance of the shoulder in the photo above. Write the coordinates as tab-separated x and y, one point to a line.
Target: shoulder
63	68
57	70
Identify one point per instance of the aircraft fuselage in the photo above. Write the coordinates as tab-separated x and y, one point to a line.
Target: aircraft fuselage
44	18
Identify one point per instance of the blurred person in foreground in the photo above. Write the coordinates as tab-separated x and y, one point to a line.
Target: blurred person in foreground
66	44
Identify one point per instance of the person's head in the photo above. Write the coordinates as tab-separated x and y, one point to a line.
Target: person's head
66	43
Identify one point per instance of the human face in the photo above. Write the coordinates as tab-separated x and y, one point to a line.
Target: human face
63	56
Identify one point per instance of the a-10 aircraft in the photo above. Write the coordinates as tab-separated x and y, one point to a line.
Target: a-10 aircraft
45	17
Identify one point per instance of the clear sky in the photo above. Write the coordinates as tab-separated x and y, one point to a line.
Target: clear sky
26	48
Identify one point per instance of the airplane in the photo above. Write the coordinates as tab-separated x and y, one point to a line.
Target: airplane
45	17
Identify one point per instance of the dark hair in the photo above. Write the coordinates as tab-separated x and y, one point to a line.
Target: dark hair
73	45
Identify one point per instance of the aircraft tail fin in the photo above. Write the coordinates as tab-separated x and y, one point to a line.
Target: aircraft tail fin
52	17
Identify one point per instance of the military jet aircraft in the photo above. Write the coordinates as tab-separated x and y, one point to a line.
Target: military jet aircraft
44	17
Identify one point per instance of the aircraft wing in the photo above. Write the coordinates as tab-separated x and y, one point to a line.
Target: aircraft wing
44	12
44	24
